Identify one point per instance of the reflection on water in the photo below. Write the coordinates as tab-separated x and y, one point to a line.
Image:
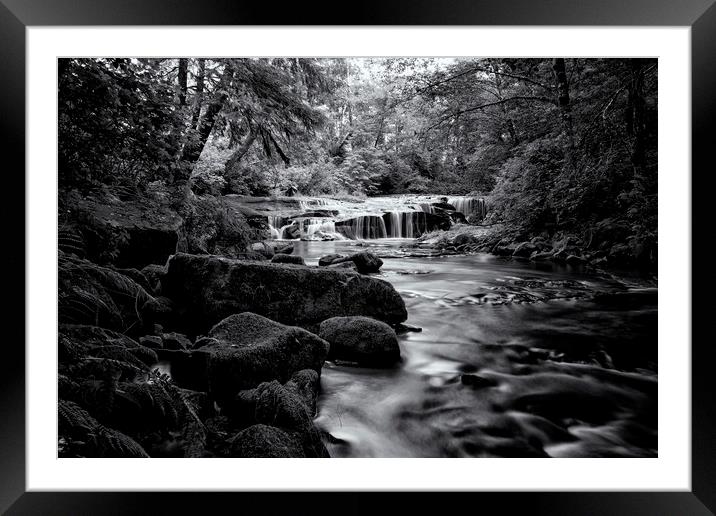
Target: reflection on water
513	360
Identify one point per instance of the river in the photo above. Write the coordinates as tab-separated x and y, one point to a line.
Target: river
514	359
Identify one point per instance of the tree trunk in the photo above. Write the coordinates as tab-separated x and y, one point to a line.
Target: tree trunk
379	135
565	107
345	147
193	149
181	80
636	122
239	153
199	96
508	119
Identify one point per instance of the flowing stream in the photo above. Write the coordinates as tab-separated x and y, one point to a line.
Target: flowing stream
404	216
556	362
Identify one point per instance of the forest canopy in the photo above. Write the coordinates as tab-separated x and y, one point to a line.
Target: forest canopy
552	143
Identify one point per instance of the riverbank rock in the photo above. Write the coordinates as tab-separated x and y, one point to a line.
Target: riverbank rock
288	258
280	406
301	391
366	262
462	239
344	266
438	220
282	248
538	256
329	259
525	249
306	384
123	227
246	349
292	232
504	247
362	340
207	289
575	260
263	249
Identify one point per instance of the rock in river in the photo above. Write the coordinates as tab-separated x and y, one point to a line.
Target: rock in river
246	349
288	258
331	259
366	262
362	340
207	289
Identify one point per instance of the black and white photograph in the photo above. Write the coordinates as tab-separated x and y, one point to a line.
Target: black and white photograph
372	257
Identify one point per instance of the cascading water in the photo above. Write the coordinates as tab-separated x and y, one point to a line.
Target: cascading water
365	227
319	229
406	224
469	206
406	216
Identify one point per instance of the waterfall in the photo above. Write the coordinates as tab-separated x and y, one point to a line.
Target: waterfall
368	219
406	224
307	204
275	224
365	227
319	229
469	206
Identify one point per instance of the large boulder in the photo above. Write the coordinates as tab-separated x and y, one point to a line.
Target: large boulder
125	228
265	250
261	404
362	340
344	266
246	349
366	262
305	384
280	406
282	248
458	217
444	206
288	258
438	220
207	289
292	232
329	259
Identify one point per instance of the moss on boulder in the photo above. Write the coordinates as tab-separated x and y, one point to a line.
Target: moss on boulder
362	340
246	349
207	289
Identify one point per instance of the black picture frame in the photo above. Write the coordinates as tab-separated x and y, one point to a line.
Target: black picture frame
17	15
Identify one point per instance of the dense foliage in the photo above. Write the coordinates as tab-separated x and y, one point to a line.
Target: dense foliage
557	144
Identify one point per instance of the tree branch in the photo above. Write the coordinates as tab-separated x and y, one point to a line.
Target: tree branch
496	103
